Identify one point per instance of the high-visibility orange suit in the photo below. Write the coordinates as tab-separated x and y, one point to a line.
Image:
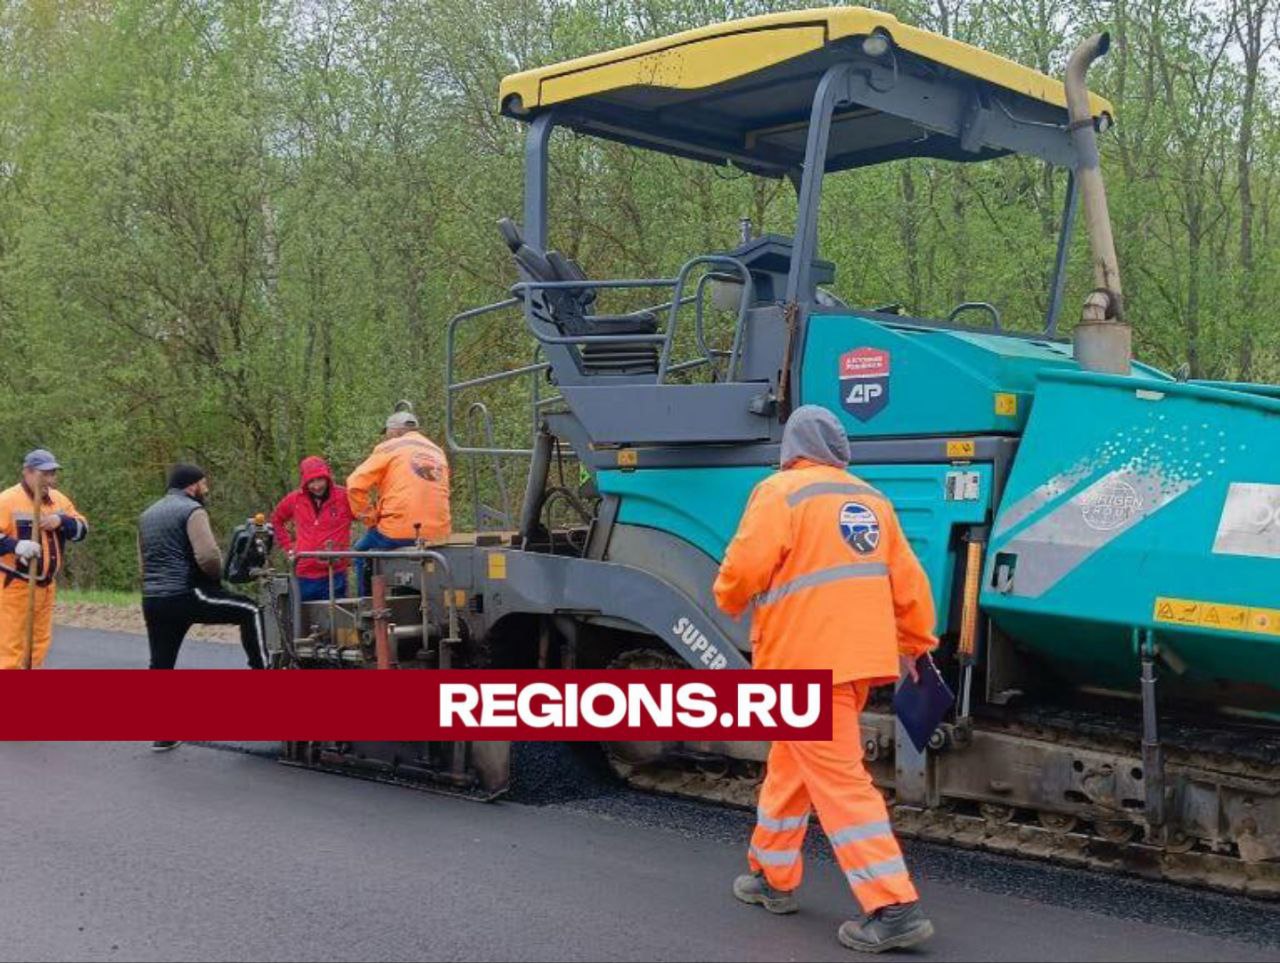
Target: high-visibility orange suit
822	564
17	509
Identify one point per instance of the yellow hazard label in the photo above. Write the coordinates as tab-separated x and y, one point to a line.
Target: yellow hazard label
628	458
1266	621
961	449
1006	403
1234	617
497	565
1217	615
459	598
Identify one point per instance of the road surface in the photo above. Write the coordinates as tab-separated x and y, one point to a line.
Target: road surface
112	852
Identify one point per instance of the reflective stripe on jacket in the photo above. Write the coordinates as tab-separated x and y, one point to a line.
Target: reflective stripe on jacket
17	513
831	582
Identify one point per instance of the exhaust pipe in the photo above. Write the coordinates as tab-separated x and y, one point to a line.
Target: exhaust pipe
1103	339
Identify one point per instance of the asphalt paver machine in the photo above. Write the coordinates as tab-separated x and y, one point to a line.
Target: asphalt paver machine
1102	539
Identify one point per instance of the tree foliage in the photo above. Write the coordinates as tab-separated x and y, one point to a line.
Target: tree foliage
233	231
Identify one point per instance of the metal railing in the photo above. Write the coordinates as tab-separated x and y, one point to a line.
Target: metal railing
524	293
483	514
665	338
454	388
351	604
984	306
699	325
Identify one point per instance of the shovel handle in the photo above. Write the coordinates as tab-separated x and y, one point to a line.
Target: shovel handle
33	571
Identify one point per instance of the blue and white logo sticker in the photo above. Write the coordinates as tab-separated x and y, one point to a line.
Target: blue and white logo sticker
860	527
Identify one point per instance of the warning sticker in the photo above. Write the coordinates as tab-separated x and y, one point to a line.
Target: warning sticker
864	382
1266	621
1232	617
1217	615
497	565
1250	521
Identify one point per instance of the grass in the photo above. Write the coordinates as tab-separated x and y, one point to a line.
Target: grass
100	597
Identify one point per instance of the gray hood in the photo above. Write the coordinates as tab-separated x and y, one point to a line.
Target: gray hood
814	433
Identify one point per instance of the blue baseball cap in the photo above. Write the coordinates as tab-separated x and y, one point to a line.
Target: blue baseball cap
41	460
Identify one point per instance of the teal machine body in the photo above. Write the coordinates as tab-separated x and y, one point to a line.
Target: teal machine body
1114	482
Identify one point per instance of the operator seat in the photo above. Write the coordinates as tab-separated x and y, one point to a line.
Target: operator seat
568	310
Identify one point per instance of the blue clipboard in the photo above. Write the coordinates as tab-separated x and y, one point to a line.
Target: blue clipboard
922	705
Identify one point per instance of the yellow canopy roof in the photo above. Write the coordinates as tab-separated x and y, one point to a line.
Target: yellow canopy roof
723	52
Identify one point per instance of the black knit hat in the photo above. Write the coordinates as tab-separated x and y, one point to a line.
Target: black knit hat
180	476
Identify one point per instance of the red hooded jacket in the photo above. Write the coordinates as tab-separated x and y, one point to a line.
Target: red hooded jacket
313	530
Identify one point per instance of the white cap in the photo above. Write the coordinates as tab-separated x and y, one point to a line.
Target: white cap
402	419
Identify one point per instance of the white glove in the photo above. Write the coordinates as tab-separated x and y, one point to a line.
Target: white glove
27	550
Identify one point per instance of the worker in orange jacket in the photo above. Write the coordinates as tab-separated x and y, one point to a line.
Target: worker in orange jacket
411	476
24	552
821	562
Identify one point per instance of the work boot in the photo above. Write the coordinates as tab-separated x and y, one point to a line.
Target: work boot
752	888
893	927
165	746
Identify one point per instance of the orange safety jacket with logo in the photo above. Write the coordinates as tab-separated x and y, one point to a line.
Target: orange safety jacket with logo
411	475
17	509
832	583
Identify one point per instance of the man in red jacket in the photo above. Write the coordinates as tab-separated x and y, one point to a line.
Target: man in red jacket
321	518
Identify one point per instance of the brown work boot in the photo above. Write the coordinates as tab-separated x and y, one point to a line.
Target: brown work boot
893	927
752	888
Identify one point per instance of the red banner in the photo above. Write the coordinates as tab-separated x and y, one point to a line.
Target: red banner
412	705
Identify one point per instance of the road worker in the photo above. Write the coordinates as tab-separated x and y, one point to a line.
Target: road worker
320	515
182	575
24	552
411	476
821	563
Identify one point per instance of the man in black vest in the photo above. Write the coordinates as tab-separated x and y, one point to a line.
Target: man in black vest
182	575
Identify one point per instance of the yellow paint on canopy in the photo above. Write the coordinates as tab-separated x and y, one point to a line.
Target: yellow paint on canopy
701	58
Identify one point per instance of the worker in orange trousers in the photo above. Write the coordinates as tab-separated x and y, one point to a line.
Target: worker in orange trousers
822	565
27	553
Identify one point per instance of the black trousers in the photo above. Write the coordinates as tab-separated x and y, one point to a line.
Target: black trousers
170	617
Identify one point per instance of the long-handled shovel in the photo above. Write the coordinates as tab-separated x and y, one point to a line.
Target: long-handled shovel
33	572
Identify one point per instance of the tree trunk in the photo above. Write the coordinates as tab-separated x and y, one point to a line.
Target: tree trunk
1248	17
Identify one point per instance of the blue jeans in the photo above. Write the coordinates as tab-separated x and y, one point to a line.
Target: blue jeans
317	589
374	541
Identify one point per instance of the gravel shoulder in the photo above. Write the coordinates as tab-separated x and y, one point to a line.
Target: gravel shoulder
128	618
